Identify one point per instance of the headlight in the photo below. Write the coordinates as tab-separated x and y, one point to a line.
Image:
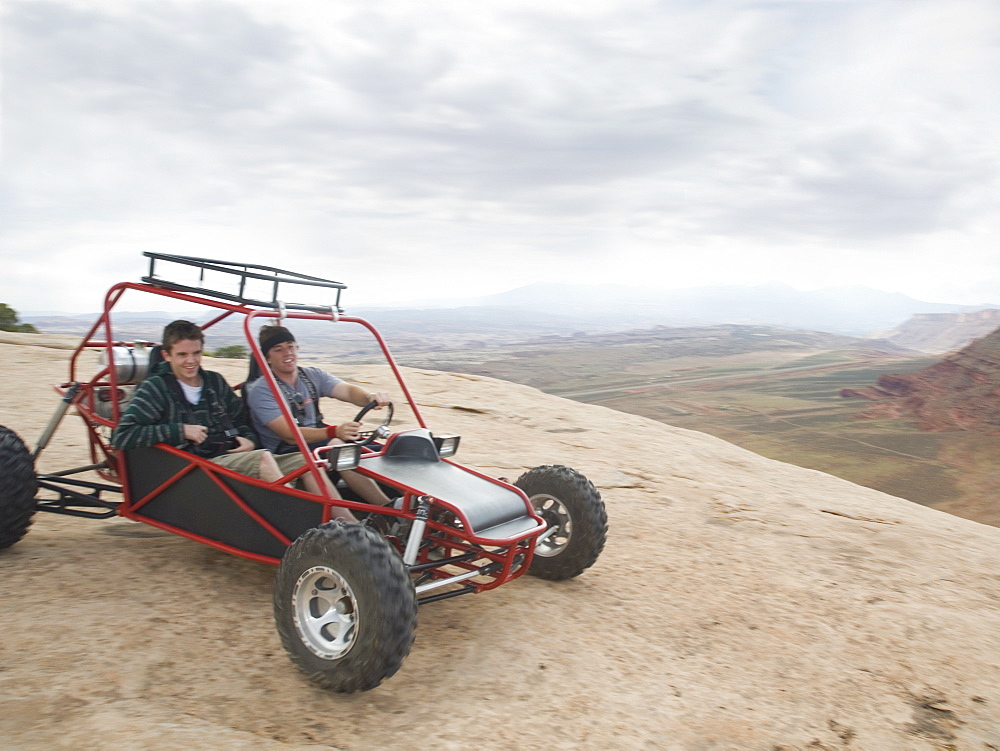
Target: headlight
447	445
340	457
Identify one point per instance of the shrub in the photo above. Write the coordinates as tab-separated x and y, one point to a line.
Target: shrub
8	321
233	352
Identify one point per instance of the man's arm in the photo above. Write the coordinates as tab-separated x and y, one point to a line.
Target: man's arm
265	408
144	422
346	431
354	394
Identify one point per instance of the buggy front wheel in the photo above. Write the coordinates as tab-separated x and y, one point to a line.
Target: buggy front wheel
577	521
17	488
344	607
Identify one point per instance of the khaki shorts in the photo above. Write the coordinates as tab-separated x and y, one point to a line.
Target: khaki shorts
248	462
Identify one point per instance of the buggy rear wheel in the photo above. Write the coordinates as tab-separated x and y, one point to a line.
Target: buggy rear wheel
344	607
577	521
17	488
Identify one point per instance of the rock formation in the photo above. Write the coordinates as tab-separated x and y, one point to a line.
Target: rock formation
961	392
937	333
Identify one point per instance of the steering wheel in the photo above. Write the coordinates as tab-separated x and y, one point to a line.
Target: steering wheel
368	437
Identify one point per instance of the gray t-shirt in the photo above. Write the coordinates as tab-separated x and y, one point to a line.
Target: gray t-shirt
264	407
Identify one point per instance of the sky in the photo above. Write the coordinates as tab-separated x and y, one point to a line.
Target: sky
448	149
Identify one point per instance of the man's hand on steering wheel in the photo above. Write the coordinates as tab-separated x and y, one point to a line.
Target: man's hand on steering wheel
381	399
349	431
367	437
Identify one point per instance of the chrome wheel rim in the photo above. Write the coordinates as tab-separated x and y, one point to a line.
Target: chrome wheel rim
325	612
555	513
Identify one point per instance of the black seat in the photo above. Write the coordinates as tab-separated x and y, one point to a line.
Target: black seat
155	358
254	372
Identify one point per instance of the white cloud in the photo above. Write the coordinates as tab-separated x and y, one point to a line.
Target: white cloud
483	146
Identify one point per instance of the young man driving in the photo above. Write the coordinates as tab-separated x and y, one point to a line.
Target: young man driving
302	388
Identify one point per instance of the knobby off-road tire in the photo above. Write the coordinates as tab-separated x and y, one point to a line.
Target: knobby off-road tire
17	488
344	606
569	501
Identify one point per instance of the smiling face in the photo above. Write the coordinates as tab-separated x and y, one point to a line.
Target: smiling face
185	360
284	359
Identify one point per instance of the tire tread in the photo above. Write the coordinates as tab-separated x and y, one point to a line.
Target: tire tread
17	488
374	570
590	519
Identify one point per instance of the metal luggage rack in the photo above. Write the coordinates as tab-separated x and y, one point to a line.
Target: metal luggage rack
243	272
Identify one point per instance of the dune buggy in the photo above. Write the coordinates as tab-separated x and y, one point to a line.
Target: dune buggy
345	595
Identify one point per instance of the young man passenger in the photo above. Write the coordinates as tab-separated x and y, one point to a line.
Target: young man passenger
181	404
301	389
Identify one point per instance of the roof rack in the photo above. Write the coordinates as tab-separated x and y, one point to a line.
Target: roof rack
243	272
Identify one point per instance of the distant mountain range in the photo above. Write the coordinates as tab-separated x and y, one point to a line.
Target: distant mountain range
560	309
855	311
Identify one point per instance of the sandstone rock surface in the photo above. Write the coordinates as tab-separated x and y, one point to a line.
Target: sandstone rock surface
740	603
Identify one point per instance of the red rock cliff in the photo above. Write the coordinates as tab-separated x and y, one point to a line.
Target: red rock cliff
961	392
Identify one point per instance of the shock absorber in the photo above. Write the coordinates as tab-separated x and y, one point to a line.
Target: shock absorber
417	530
61	409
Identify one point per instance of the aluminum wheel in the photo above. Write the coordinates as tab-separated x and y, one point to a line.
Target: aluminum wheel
560	529
344	606
325	612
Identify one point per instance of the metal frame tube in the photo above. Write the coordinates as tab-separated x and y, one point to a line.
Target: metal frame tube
61	409
450	580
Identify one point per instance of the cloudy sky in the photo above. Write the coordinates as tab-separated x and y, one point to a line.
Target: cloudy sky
448	148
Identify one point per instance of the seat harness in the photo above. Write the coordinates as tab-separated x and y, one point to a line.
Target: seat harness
294	400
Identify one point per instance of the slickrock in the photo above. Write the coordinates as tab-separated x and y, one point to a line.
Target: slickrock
740	603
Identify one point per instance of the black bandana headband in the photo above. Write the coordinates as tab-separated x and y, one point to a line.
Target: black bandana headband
275	339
